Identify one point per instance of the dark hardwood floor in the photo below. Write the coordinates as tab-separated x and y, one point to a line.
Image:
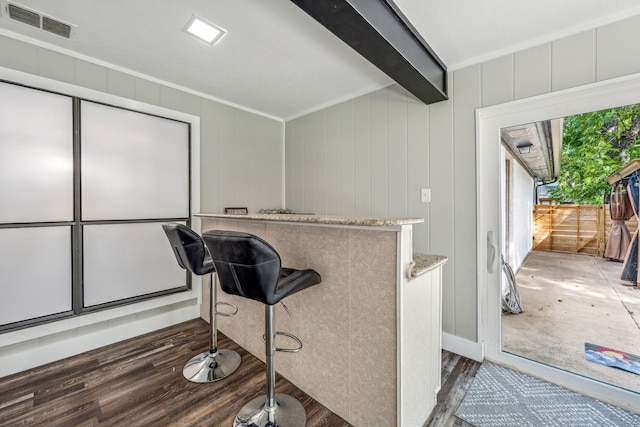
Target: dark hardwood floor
139	382
457	375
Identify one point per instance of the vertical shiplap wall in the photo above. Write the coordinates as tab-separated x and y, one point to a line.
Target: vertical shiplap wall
241	154
363	157
371	155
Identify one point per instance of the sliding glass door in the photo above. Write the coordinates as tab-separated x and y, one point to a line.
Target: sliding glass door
491	220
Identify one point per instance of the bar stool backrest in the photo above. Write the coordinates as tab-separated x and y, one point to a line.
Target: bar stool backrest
246	265
189	249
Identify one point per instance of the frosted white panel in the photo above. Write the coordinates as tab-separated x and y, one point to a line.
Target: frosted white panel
133	165
127	260
36	155
35	272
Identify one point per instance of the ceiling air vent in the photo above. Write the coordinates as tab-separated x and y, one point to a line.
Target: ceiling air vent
56	27
24	15
37	19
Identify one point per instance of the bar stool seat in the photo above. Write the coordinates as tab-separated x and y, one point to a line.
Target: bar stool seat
249	267
191	254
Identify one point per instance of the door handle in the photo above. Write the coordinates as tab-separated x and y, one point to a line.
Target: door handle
491	252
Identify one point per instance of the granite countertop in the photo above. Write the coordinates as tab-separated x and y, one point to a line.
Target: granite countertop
317	219
425	262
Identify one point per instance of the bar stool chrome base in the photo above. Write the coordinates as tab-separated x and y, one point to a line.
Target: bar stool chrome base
288	412
208	367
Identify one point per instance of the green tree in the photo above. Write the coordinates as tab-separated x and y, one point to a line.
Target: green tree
595	145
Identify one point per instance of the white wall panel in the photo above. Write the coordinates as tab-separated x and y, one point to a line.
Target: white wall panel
441	176
467	87
532	71
192	104
245	148
379	173
36	155
397	151
617	50
222	155
288	165
497	81
171	98
361	159
418	158
309	170
91	76
333	159
18	55
56	66
320	161
210	161
573	61
35	272
121	84
147	91
347	161
270	136
298	170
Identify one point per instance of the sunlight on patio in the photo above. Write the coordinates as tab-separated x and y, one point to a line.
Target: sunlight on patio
570	300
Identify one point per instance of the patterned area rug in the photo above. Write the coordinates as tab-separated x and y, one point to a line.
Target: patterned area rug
501	397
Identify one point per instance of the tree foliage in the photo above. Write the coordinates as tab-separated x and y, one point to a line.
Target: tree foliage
595	145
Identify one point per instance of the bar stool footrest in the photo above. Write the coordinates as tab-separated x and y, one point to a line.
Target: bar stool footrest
223	313
288	335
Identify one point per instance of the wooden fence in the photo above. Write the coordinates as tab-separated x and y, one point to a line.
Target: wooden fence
576	229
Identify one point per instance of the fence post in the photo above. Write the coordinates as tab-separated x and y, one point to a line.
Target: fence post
578	229
602	238
551	214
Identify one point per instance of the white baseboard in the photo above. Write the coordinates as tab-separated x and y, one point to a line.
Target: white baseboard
463	347
36	352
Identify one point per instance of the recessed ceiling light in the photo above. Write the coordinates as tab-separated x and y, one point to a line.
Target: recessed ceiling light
203	30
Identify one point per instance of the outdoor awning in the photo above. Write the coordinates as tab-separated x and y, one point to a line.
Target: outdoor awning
536	146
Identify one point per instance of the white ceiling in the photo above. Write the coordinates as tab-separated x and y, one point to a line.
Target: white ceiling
279	62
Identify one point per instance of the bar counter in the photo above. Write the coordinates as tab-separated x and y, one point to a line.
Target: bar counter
371	329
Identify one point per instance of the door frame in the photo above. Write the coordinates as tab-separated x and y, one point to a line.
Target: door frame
490	190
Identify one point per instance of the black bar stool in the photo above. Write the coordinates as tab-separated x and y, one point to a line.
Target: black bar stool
249	267
191	254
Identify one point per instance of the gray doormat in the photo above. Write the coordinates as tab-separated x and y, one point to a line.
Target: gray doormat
502	397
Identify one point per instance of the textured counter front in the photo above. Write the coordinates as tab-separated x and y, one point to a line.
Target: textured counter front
369	355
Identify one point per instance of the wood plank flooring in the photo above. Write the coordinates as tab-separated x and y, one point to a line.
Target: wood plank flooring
139	382
457	375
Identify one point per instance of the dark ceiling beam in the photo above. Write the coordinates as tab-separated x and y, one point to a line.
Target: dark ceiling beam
378	30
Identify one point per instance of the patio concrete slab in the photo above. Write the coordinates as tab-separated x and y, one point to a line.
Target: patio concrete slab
570	300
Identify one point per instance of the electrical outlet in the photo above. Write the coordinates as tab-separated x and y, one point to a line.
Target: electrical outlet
425	195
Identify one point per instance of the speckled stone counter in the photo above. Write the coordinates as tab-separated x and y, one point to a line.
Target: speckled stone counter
318	219
425	262
371	330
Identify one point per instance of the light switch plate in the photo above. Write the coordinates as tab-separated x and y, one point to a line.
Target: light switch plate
425	195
